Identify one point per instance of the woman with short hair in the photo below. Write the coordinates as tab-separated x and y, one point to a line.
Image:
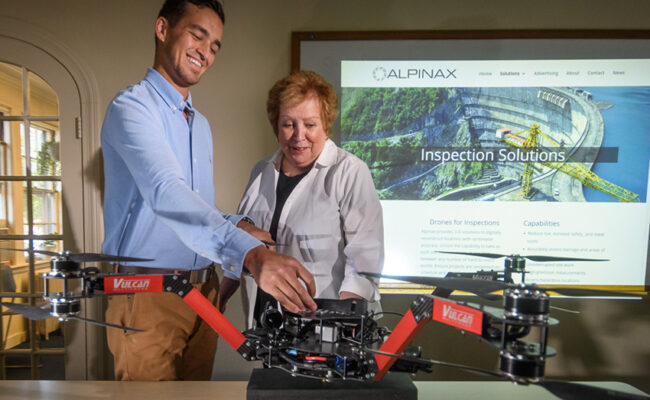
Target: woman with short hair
317	200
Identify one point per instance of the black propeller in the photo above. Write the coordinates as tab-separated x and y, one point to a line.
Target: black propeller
96	257
479	287
531	258
106	324
483	287
81	257
42	311
32	312
562	389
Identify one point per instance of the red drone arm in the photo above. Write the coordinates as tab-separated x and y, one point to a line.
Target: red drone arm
424	309
122	284
214	318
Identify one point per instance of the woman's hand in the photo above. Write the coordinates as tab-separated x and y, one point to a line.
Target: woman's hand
227	287
349	295
257	233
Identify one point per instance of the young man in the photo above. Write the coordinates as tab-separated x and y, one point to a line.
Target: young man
158	205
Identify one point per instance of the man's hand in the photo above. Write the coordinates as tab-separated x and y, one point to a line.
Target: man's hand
227	287
280	276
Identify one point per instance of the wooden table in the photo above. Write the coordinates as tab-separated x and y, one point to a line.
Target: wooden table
232	390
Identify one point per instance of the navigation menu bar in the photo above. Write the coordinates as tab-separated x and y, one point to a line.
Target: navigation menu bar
501	73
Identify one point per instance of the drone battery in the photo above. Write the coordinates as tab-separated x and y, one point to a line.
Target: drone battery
328	334
275	384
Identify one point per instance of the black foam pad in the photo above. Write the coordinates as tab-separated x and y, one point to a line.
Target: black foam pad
276	384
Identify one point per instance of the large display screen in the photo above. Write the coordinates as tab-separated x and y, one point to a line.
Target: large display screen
516	157
521	156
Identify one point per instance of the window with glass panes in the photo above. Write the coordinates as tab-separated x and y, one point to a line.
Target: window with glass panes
30	208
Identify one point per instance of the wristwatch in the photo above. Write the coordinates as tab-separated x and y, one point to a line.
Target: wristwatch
246	219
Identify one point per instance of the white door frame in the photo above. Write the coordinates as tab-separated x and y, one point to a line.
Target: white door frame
30	46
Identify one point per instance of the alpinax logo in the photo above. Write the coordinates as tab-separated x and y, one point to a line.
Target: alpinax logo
379	73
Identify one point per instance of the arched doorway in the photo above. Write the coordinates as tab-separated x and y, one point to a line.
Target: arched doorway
51	128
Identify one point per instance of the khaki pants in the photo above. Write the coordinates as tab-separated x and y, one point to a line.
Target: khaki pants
176	344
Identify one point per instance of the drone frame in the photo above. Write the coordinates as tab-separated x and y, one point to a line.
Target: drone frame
524	307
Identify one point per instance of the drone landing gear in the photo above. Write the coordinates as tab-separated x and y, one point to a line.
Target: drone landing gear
275	384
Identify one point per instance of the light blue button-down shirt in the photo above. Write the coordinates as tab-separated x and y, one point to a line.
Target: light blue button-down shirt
159	192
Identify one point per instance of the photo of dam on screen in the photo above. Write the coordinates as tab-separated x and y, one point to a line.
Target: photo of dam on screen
501	144
529	157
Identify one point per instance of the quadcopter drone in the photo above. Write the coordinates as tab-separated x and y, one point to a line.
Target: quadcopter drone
341	340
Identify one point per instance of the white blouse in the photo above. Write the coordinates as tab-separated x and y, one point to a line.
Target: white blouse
331	223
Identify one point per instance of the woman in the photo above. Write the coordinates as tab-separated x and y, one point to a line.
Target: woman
317	201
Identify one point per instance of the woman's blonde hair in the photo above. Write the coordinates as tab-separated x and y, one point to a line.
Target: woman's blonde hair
294	89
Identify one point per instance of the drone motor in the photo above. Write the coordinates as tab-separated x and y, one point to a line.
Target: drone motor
525	308
64	308
65	274
526	303
64	267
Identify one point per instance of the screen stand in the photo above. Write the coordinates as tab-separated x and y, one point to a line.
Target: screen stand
275	384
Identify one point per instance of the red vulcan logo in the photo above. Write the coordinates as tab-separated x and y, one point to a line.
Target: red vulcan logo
458	316
133	284
462	318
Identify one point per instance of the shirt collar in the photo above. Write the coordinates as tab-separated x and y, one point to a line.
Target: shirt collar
167	92
327	157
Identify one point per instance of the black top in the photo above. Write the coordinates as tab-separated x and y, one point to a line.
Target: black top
285	186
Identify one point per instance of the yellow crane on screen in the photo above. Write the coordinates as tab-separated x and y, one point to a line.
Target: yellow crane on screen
570	166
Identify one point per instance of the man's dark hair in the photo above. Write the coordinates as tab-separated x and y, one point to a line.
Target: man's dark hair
173	10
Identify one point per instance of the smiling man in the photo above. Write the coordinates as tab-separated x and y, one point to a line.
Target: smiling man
159	205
